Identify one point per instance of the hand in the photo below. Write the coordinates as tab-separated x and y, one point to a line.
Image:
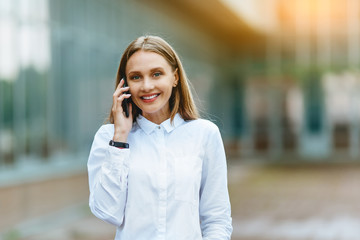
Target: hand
122	124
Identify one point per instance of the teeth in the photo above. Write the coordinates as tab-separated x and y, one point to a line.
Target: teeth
150	97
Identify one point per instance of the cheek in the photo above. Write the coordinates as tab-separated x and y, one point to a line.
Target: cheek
134	92
168	86
133	89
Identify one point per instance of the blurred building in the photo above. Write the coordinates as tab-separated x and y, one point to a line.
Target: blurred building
280	78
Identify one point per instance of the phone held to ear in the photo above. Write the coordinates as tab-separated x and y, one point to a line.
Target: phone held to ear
126	101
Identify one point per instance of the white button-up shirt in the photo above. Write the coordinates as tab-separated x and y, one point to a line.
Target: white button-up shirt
170	184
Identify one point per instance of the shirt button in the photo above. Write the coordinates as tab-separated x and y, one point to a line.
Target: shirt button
158	127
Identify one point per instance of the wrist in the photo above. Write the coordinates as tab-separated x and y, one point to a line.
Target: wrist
120	137
118	144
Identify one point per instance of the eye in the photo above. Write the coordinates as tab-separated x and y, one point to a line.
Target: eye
157	74
135	77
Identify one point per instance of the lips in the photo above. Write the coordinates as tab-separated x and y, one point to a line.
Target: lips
150	97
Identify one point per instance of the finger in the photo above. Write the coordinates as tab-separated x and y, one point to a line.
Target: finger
121	83
119	101
121	86
123	96
117	107
118	96
119	91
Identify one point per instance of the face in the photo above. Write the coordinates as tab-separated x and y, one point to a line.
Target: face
151	80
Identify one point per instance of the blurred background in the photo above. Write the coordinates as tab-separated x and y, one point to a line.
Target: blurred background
280	78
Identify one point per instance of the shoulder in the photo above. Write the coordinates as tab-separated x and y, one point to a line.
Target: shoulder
105	130
108	129
208	133
203	125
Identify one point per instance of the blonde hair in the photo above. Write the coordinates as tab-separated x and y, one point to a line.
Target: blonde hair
181	100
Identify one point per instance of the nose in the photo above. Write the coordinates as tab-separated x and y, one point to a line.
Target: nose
147	85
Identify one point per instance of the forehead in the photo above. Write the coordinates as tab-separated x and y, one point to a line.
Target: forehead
144	60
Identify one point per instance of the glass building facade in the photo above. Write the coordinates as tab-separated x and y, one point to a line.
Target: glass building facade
58	61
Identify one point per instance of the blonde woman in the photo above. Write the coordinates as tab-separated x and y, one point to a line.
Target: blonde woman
158	171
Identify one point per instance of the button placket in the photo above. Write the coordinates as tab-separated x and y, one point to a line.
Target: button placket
162	182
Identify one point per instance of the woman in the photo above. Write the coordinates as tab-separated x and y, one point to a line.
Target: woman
159	173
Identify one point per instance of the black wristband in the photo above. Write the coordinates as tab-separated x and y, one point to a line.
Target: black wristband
118	144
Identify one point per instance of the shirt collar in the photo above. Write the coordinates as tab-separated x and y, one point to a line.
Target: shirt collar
149	126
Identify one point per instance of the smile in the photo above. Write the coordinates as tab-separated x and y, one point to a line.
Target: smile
150	98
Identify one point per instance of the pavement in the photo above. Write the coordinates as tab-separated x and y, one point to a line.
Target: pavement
313	201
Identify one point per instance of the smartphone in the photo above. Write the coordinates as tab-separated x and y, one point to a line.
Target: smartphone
126	102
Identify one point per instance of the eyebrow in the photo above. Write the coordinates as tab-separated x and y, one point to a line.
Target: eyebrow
151	70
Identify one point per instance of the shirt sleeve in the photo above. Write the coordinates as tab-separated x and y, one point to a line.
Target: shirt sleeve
215	210
108	173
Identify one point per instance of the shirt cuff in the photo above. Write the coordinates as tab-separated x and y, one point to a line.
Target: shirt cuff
118	157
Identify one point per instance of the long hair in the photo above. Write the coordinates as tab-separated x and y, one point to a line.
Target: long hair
181	100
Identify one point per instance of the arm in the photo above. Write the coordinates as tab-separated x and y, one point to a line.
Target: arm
215	210
108	166
108	171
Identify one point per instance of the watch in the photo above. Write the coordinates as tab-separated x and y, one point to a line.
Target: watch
118	144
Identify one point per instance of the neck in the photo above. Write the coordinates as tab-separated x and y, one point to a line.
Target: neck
157	118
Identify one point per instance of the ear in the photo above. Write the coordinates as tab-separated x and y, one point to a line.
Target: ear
176	77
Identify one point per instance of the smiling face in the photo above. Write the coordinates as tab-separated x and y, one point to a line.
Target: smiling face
151	80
